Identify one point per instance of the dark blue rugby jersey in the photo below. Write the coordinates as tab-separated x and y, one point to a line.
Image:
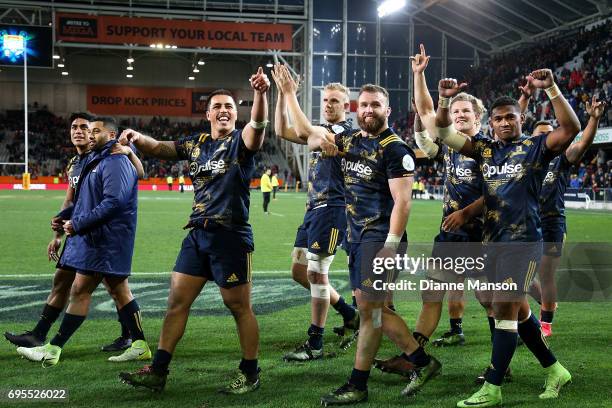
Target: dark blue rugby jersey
463	184
75	167
367	164
325	181
552	196
513	175
221	172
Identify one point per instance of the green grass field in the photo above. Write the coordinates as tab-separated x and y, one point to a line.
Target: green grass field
209	352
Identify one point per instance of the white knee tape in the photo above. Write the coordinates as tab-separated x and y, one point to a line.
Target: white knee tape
298	255
319	291
508	325
377	318
319	263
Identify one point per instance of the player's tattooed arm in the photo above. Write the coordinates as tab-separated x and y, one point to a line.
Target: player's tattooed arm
595	109
148	145
253	137
281	117
459	218
569	125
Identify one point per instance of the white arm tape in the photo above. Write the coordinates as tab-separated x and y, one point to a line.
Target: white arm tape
452	138
426	144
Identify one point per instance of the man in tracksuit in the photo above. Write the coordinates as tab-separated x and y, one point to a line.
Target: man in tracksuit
102	226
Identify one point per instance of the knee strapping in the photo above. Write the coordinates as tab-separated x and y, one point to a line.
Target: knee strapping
298	255
319	291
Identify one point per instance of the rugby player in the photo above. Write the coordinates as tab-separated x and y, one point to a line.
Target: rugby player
105	205
462	187
513	168
219	244
64	274
324	224
378	170
552	207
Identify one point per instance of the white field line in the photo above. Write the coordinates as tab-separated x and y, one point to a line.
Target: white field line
137	274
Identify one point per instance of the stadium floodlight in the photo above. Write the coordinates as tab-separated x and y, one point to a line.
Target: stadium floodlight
191	78
152	45
129	76
174	47
390	6
65	73
130	68
13	46
196	70
130	60
61	65
269	65
200	62
55	56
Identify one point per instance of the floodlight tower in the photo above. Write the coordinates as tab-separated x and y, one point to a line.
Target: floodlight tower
14	46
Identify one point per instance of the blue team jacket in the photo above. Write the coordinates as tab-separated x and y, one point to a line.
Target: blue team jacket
104	215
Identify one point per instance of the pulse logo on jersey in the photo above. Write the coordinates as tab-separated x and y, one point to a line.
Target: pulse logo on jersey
461	172
73	181
361	169
214	166
550	177
507	169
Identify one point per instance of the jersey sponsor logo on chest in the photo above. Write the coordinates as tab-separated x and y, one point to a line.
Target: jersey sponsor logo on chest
507	169
360	168
212	166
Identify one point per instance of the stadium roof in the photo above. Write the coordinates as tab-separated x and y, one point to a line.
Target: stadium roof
488	25
498	25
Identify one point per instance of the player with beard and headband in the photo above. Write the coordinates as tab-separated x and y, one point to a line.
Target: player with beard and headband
65	274
513	168
378	169
324	224
219	244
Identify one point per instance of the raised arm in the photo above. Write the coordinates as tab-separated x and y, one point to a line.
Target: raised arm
526	93
148	145
422	137
281	118
447	88
575	151
302	126
422	98
253	135
559	139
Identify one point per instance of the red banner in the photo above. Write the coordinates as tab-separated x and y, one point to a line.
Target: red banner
128	100
182	33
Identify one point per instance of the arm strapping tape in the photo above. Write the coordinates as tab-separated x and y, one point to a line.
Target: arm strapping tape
423	140
452	138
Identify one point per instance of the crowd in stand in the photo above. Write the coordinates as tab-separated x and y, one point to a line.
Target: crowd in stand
588	54
50	147
581	60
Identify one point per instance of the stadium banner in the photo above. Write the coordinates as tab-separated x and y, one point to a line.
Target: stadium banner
168	33
604	135
127	100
